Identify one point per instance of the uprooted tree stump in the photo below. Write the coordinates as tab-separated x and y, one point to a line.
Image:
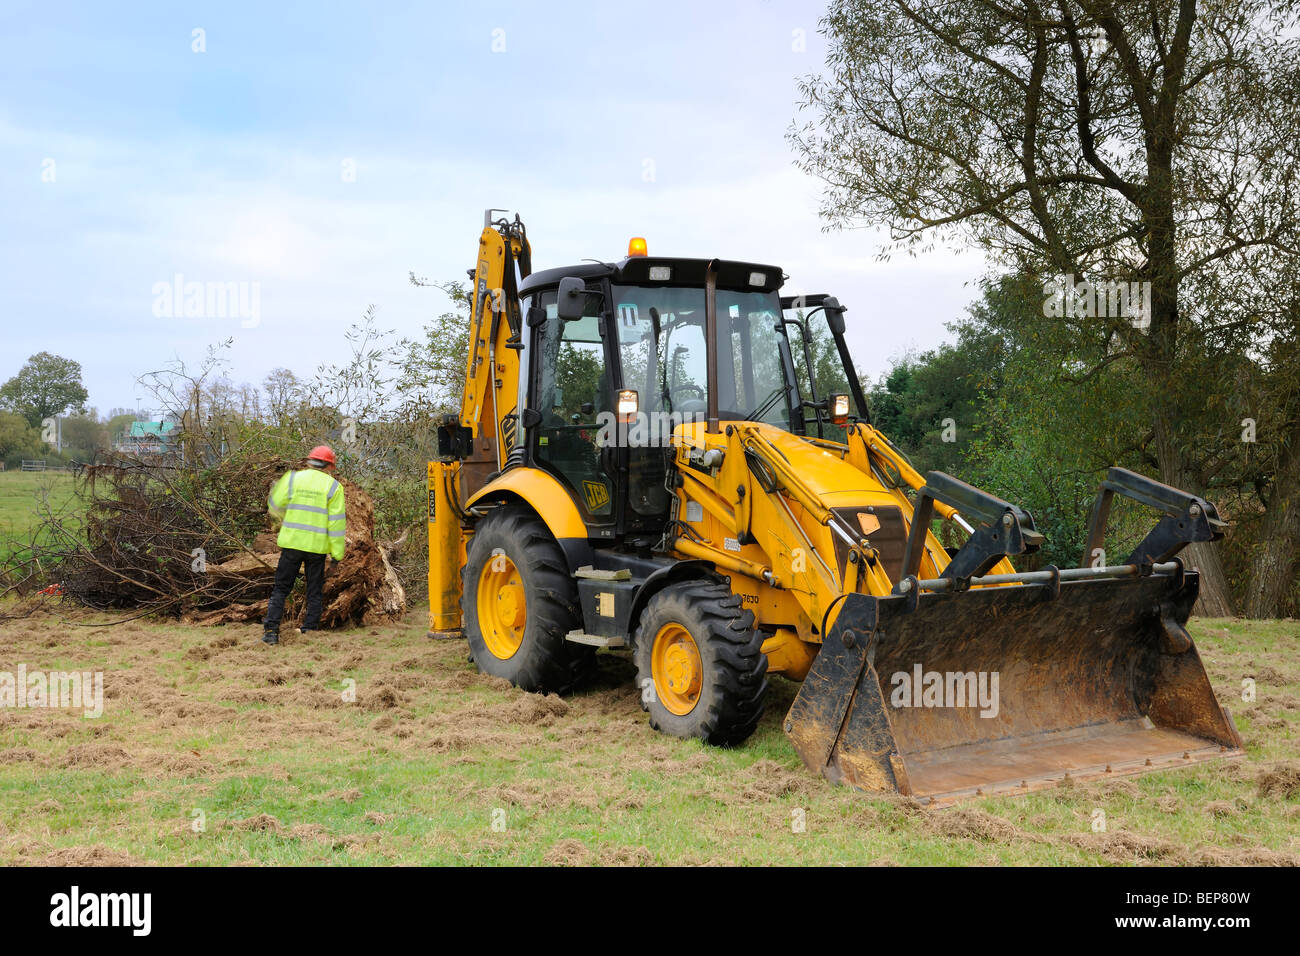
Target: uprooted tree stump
163	537
362	589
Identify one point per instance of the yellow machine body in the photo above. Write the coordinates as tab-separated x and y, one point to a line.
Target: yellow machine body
937	672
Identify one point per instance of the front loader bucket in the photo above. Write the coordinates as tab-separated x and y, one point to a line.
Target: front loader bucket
1009	689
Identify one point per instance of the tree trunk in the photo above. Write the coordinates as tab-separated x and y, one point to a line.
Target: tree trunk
1160	357
1215	597
1274	556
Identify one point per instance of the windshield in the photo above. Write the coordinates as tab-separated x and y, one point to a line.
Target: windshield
818	368
670	371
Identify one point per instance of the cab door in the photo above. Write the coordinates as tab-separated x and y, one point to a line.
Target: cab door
572	391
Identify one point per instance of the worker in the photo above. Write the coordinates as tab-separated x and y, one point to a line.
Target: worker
309	504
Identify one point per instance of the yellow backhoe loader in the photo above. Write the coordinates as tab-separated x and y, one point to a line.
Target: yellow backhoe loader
655	454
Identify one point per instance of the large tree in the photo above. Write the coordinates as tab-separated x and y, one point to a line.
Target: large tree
1142	141
48	385
1272	412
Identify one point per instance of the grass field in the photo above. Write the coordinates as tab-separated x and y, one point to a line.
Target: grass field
23	496
434	763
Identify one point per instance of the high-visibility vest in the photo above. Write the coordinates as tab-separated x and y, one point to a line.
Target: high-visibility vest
310	506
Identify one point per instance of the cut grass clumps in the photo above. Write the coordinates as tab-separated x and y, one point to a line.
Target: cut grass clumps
378	746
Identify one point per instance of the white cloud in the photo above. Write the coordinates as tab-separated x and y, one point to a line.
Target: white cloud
323	249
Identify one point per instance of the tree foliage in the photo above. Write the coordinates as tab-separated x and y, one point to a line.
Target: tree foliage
1121	141
433	370
18	440
1034	426
47	385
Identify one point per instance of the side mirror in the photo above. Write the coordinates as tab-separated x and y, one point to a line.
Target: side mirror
834	314
571	300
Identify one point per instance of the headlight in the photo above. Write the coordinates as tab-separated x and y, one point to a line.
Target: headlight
628	403
840	409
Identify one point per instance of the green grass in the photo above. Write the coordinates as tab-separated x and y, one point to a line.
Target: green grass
430	754
24	497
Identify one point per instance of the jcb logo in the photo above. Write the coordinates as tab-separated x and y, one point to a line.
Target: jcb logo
596	493
509	429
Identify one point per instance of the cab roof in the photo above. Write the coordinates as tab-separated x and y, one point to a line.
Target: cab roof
684	272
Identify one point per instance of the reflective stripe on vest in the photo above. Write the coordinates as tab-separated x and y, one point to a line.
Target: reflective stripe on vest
308	524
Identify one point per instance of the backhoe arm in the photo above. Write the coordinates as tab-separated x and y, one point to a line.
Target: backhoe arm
475	444
492	366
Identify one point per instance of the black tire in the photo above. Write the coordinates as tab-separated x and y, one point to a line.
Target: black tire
733	685
544	661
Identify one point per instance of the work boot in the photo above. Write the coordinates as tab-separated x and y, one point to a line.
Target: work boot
271	637
304	630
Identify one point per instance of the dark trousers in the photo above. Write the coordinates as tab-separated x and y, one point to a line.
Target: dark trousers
286	572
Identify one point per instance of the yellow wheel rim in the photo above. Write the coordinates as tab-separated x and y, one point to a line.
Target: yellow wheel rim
502	607
676	669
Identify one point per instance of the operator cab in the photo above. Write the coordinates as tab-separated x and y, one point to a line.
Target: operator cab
617	355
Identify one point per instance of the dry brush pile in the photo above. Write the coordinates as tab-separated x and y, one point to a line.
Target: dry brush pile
195	543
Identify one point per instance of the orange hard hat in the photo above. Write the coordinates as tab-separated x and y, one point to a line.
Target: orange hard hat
322	453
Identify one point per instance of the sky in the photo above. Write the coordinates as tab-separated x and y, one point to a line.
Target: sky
314	155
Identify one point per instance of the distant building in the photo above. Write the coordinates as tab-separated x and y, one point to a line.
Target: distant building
148	438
